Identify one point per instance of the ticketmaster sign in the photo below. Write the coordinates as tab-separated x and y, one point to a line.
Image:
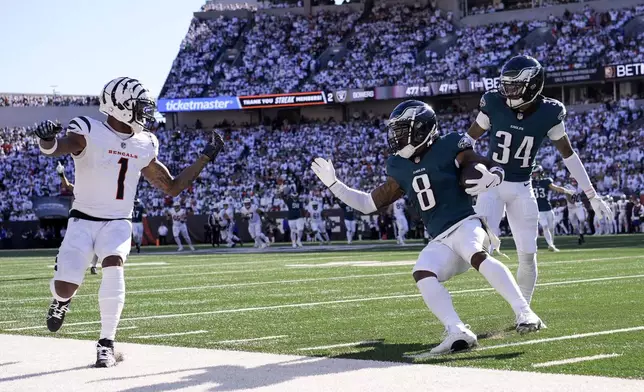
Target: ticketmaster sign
197	104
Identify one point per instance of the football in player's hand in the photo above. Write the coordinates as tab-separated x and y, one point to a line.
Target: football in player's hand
468	172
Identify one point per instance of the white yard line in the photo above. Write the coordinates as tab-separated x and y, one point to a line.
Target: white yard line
574	360
251	340
341	301
8	321
95	331
339	345
567	337
165	335
223	286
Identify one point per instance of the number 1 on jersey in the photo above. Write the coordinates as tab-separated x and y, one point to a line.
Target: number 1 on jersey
120	183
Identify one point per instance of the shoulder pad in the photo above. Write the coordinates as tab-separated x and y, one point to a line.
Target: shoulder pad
557	108
155	142
81	125
489	98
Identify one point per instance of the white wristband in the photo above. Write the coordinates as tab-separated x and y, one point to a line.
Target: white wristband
48	151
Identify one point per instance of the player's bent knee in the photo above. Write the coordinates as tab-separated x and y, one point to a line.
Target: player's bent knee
477	259
420	275
112	261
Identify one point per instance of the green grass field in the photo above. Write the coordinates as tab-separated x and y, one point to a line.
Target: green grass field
362	303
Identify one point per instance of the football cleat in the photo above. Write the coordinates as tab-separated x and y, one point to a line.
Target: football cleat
192	248
457	338
105	354
529	322
553	249
56	314
93	271
180	249
138	248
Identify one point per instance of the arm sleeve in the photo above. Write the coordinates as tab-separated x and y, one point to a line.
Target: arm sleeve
576	168
354	198
557	132
483	120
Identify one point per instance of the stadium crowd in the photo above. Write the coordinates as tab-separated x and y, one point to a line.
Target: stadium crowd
388	47
20	100
258	160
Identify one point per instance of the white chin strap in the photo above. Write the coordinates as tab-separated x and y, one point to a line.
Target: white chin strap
407	151
515	103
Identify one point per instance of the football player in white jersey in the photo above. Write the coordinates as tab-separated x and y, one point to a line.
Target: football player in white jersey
228	216
179	227
252	214
622	220
576	210
401	220
559	218
109	158
318	227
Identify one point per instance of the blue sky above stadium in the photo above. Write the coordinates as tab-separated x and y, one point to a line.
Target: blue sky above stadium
79	45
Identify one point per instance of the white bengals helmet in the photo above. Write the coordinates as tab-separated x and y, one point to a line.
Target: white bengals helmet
246	201
129	102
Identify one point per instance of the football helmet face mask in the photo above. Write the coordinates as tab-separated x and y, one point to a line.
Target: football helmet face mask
521	82
411	129
129	102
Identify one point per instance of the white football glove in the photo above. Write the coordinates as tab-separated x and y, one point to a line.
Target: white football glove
60	169
601	208
324	170
487	181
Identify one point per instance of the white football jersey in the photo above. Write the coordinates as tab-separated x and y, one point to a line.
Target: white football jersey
622	204
315	213
399	208
178	217
228	212
574	201
107	171
251	213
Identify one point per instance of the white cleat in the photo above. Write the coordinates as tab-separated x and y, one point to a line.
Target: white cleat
529	322
180	249
294	245
457	338
299	244
192	248
553	249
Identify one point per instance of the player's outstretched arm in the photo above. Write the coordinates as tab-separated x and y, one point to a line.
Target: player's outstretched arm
578	171
366	203
159	175
72	143
560	189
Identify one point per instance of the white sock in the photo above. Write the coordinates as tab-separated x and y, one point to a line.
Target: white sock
178	241
188	241
527	274
499	277
548	236
111	297
293	236
439	301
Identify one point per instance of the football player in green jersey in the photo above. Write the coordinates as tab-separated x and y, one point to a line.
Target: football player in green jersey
542	186
425	167
519	118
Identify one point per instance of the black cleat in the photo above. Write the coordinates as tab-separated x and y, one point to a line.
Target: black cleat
56	314
105	354
138	248
93	271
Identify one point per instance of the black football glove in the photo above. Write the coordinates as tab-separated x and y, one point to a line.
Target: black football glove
47	130
214	147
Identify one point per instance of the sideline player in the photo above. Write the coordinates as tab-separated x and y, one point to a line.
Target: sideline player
349	220
427	171
401	220
295	218
576	210
215	229
109	158
179	227
542	186
228	228
518	118
138	213
622	222
559	210
253	214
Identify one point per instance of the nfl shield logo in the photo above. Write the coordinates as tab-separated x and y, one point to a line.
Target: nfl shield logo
123	145
341	95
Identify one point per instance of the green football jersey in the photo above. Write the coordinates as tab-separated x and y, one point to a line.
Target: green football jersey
541	189
432	184
515	138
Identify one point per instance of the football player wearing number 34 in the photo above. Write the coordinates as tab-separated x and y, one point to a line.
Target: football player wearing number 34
109	157
519	118
425	167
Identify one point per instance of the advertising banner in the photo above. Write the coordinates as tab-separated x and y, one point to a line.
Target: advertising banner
573	76
353	95
197	104
619	71
283	100
52	207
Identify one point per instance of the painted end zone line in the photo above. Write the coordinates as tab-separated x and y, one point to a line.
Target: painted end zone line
165	335
354	344
251	340
574	360
95	331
